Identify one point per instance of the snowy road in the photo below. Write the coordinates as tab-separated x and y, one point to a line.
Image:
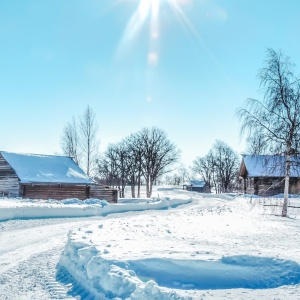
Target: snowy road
30	251
207	229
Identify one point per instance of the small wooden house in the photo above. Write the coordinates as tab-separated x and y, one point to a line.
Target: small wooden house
47	177
197	186
264	175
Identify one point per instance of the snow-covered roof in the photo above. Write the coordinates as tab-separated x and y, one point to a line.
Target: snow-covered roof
269	166
196	183
36	168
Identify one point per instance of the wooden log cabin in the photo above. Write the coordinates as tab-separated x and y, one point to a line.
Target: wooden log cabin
48	177
264	175
199	186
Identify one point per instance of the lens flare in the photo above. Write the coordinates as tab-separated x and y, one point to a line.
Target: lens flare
147	12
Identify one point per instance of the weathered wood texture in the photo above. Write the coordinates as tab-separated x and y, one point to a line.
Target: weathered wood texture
269	186
102	192
9	181
58	192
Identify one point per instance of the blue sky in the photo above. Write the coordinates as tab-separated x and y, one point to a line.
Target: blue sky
184	68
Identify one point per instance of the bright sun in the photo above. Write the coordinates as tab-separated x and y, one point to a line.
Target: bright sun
148	11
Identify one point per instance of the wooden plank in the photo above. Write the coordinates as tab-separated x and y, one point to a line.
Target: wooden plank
58	192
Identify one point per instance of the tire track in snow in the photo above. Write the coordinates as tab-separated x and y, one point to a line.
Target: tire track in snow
34	278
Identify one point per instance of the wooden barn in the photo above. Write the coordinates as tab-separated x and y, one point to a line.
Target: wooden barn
197	186
48	177
264	175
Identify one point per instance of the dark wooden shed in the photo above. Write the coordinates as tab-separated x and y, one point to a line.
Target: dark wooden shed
197	186
264	174
37	176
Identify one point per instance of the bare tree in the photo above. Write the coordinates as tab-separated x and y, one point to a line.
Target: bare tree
277	117
219	167
226	165
89	143
184	174
79	140
70	141
159	154
256	145
147	153
136	151
204	166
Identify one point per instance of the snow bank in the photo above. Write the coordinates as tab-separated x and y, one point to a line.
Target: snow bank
25	209
185	253
94	262
103	278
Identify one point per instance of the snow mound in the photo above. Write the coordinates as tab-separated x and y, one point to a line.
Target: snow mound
136	260
107	279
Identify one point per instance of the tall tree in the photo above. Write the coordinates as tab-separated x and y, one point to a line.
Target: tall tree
205	166
70	141
219	167
226	165
136	151
88	140
79	140
276	119
159	154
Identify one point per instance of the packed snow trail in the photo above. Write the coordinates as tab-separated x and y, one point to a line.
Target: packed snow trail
30	251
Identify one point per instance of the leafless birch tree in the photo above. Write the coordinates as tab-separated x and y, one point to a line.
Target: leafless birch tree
88	128
277	117
79	140
70	141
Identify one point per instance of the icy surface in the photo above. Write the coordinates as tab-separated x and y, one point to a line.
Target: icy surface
34	168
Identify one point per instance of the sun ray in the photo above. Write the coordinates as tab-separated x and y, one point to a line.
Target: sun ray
137	20
148	11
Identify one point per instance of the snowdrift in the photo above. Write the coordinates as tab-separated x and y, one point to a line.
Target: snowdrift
27	209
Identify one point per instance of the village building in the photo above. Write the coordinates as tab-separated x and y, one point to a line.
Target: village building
264	175
197	186
37	176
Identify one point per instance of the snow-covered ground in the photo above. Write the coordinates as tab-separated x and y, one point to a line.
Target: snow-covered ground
212	247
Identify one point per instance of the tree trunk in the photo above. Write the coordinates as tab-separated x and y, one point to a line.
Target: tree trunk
132	186
148	186
139	183
286	185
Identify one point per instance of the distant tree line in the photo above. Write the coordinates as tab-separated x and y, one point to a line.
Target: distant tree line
146	157
219	168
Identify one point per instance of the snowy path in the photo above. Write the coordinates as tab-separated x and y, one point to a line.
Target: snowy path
207	229
30	251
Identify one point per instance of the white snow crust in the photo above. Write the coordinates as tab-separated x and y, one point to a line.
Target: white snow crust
34	168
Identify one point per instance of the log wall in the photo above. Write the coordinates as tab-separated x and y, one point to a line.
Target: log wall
58	192
9	181
270	186
103	192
